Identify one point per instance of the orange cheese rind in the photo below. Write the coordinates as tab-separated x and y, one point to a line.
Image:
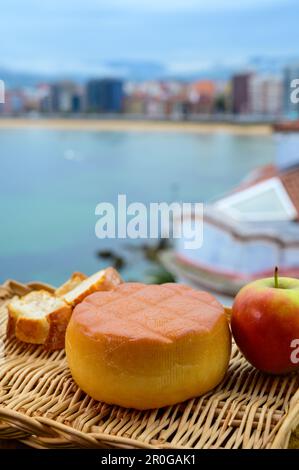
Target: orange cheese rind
148	346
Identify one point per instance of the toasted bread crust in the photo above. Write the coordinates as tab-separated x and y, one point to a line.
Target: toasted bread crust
58	322
112	279
109	280
11	324
32	330
70	284
49	329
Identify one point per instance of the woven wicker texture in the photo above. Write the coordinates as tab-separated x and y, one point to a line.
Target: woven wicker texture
40	405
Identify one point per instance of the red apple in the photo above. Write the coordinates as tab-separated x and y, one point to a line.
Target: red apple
265	324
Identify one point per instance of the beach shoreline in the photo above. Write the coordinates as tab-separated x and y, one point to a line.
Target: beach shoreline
127	125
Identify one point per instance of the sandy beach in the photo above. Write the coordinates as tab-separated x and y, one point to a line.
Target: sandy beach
99	125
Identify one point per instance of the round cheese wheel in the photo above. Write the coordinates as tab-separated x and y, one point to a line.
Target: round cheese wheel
148	346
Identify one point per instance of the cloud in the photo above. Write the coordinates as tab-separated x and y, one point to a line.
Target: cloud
137	6
188	66
187	35
195	5
53	68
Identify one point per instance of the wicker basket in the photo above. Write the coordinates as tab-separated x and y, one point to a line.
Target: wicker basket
41	406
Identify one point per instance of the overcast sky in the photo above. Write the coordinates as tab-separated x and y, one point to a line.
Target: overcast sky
186	35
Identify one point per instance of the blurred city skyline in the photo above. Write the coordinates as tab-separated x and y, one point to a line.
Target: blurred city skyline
116	37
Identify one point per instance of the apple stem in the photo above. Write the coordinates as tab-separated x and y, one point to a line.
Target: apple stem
276	283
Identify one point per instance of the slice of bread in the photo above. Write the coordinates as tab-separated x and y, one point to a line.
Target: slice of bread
39	318
106	279
70	284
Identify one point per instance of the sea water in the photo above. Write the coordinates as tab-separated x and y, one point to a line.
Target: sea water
51	182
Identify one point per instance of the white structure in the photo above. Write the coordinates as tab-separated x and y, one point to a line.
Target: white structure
265	95
250	231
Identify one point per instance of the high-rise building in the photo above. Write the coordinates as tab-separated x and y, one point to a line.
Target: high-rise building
265	95
104	95
65	97
290	73
240	93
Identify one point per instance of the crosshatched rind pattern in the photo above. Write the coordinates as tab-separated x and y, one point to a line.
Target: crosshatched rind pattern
41	405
